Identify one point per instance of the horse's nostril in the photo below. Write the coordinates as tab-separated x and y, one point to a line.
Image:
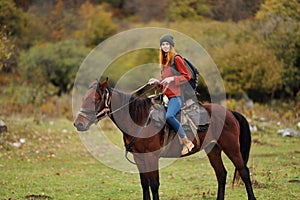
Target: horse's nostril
79	126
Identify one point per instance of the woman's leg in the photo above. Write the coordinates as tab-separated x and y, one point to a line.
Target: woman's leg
174	106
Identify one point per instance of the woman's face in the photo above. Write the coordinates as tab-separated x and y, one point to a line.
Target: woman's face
165	46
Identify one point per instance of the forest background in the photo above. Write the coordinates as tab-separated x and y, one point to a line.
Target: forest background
254	43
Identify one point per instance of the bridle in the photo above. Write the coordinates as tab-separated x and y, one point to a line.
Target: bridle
95	115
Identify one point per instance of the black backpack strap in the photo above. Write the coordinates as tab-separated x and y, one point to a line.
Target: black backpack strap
173	66
173	60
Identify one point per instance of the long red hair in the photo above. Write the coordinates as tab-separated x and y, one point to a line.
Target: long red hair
165	58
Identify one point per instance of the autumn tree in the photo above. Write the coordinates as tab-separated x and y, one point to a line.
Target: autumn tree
24	4
57	22
173	10
95	24
146	10
115	3
7	49
187	10
234	10
13	22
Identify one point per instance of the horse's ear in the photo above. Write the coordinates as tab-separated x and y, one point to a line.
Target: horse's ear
103	84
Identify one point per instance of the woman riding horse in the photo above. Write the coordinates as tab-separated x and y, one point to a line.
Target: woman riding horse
229	129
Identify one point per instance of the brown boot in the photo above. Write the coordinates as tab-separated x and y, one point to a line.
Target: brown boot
187	146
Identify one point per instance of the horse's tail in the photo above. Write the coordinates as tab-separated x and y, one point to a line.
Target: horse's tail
245	140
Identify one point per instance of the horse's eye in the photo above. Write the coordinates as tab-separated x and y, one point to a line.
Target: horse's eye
96	101
93	101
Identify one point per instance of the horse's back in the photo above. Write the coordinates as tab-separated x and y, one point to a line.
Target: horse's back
223	122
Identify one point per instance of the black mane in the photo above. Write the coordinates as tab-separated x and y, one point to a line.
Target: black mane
138	106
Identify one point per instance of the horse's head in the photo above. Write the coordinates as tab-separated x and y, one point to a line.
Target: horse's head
95	105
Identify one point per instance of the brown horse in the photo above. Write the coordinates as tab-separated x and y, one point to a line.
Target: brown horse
145	141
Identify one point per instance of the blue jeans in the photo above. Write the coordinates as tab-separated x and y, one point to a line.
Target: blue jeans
174	106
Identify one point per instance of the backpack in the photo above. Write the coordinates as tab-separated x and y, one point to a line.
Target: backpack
188	91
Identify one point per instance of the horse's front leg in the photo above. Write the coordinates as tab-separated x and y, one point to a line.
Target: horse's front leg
154	184
150	179
145	186
141	165
151	161
149	176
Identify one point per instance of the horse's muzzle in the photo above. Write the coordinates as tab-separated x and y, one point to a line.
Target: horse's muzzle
80	126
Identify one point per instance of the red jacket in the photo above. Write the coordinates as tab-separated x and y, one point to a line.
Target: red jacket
174	87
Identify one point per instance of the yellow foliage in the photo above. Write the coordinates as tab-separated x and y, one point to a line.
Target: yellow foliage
57	22
279	8
95	24
6	48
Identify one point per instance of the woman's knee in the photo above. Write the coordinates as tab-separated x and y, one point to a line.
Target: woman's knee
169	117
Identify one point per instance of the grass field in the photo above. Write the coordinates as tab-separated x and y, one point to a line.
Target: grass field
52	163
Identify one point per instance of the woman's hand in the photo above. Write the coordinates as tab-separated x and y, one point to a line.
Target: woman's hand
153	81
167	80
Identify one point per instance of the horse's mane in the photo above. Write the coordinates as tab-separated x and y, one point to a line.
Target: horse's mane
138	106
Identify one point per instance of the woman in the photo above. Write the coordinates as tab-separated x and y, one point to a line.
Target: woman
171	85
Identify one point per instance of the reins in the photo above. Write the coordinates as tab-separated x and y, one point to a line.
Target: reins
123	106
140	88
107	112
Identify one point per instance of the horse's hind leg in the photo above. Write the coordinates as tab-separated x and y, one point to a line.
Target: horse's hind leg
245	175
233	153
216	162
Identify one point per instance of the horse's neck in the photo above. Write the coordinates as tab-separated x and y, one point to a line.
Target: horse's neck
128	112
117	112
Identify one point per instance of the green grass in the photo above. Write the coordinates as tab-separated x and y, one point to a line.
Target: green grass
54	163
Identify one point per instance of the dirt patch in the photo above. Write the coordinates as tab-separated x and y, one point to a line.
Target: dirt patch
37	196
294	181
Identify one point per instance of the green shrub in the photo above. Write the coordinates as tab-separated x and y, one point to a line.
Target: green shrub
54	63
278	25
248	67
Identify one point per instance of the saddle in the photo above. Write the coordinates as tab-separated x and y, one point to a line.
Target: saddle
193	117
